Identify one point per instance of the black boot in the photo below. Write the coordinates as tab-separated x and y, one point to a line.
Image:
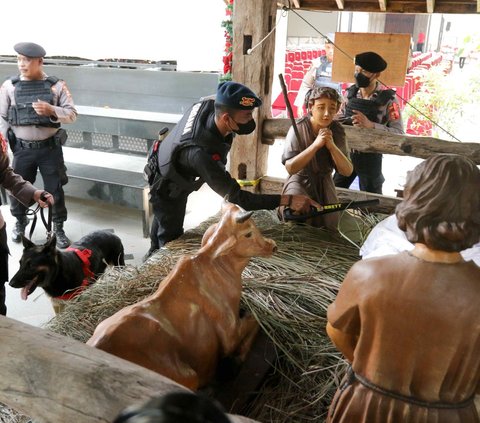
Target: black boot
62	240
19	228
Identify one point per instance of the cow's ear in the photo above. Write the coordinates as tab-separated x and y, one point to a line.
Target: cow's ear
225	247
27	244
208	233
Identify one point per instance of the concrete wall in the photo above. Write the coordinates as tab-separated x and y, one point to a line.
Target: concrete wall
131	89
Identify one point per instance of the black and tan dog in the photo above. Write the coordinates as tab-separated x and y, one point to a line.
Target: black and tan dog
63	274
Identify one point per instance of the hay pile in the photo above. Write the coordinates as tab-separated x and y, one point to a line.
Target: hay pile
288	293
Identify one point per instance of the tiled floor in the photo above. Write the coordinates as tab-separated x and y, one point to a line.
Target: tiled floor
84	217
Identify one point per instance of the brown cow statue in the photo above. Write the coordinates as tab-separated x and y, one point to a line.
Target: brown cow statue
193	319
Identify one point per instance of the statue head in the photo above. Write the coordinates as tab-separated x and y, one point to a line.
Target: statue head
441	203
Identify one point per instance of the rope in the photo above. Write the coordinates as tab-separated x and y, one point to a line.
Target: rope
282	15
385	85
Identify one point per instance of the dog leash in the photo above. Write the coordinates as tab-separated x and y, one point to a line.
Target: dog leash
46	222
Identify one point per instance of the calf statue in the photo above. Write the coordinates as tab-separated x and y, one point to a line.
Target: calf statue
193	319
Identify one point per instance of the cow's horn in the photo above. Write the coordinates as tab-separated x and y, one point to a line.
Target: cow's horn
243	216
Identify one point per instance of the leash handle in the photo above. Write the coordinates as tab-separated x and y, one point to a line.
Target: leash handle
46	222
327	208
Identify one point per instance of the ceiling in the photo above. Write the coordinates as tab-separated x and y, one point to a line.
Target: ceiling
388	6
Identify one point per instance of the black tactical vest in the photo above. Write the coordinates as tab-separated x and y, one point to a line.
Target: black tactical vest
27	92
368	107
191	130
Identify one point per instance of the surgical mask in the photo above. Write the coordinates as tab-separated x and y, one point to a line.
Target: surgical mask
245	128
362	81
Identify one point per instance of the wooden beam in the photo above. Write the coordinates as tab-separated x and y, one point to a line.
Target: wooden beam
394	6
383	5
296	4
252	21
478	6
52	378
273	185
373	141
341	4
430	6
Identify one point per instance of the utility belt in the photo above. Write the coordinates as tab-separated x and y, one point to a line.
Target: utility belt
352	376
60	138
49	142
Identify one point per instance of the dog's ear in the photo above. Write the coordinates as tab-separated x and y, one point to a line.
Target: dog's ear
51	244
27	243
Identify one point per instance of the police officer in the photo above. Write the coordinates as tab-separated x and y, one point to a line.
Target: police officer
33	106
369	106
319	75
195	152
27	194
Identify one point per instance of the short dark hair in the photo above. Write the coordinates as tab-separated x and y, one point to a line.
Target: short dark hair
321	92
441	204
220	109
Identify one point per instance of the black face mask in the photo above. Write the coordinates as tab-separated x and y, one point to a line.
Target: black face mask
245	128
362	81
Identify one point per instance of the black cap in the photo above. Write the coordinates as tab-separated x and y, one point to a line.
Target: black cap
237	96
371	62
29	49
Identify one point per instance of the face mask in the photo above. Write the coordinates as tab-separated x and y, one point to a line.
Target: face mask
361	80
245	128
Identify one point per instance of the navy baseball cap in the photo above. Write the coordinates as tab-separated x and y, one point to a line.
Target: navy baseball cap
237	96
371	62
29	50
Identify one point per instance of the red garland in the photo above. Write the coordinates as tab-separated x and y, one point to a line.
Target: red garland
227	57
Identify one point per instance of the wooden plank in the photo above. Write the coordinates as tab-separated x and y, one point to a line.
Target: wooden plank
374	141
341	4
383	5
462	7
273	185
253	20
430	6
394	48
52	378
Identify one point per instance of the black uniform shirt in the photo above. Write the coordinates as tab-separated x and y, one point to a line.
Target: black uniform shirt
194	161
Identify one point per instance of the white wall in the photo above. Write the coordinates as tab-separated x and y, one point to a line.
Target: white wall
188	31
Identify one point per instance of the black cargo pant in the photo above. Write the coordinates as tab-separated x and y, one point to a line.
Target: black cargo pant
3	268
49	160
169	214
368	167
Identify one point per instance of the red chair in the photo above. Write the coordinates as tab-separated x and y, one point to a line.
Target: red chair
295	84
303	55
278	106
291	56
287	78
309	55
291	98
298	56
297	74
315	54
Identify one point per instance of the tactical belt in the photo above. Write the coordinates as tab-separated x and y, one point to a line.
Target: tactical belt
49	142
411	400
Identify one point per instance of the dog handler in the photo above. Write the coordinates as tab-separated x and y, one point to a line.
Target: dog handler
195	152
33	106
26	193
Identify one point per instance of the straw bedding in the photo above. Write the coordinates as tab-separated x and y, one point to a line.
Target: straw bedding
289	294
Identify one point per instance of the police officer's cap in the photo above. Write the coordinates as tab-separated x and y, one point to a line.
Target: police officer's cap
371	62
237	96
29	49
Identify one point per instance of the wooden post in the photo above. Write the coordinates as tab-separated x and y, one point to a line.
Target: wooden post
52	378
252	21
